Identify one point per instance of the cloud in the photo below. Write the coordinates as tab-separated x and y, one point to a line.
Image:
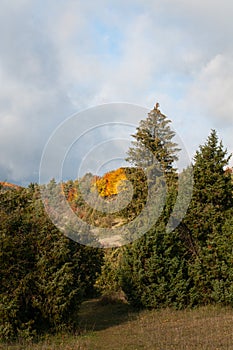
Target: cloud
75	55
212	90
31	100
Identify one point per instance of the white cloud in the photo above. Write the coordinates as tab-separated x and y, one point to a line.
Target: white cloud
212	89
75	54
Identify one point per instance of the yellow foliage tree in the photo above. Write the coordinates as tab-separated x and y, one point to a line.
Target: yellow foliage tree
110	184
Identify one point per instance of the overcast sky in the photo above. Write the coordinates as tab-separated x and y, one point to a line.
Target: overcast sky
59	57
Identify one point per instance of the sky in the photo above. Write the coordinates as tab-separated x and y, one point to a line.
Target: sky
60	58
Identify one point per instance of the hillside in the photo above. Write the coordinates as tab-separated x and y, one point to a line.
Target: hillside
4	186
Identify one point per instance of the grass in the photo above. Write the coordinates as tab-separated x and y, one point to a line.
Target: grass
116	326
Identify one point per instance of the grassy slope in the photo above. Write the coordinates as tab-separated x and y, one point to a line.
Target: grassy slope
117	327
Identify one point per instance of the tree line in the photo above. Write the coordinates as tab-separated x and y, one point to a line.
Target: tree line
45	276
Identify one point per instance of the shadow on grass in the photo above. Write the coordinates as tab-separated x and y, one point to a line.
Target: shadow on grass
95	315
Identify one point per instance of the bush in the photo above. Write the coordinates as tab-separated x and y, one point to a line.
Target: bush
44	275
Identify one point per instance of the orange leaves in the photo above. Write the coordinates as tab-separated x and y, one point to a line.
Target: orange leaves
110	183
7	185
71	194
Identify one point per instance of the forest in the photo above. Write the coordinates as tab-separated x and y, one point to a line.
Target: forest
183	263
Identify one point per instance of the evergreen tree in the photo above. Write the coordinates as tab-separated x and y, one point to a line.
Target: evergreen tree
212	192
153	272
153	146
205	219
44	275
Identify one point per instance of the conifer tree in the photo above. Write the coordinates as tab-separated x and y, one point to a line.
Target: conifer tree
212	200
212	192
153	145
153	272
44	275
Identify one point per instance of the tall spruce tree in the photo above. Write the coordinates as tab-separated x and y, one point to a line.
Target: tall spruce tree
153	271
153	145
155	151
211	202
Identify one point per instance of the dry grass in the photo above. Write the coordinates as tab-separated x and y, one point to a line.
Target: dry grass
117	327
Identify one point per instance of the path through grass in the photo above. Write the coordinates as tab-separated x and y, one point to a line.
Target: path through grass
118	327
